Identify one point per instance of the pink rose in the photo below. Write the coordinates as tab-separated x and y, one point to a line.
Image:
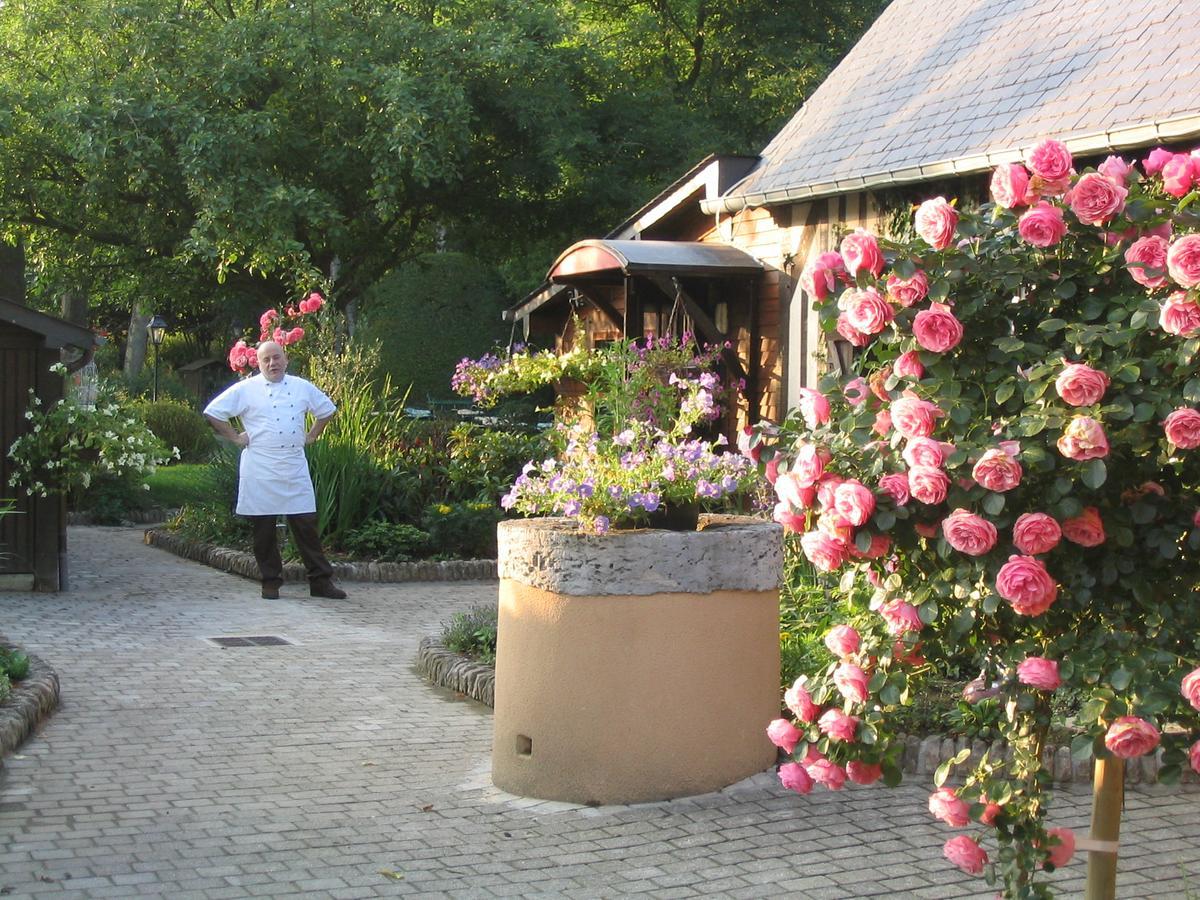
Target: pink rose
901	617
315	301
1042	226
914	417
966	854
791	490
1190	688
827	773
851	334
936	329
1194	756
842	641
863	772
855	391
820	276
794	777
1183	260
1085	529
1178	172
744	440
824	552
1050	160
854	501
968	533
883	423
907	291
791	521
825	490
928	485
1146	260
867	311
1081	385
1129	736
838	725
808	467
267	318
1180	315
997	471
923	451
295	334
1115	168
1182	428
1010	185
1096	199
896	487
784	734
279	336
880	545
1024	582
908	365
989	814
946	805
851	682
1039	672
1036	533
1061	853
814	407
935	221
1082	439
799	701
1154	163
860	250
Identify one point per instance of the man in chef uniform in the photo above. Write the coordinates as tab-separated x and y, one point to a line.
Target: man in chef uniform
273	475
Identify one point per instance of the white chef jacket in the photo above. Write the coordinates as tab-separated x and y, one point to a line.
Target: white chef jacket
273	471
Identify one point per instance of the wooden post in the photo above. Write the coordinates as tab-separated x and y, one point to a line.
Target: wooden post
1108	788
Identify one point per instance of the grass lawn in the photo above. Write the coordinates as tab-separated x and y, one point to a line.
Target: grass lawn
173	486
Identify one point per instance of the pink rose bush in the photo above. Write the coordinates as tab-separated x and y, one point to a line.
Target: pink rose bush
1009	472
277	327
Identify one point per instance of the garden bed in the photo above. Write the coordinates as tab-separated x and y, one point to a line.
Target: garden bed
33	699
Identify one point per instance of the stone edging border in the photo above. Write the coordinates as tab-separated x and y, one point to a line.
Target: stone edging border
451	670
32	700
239	563
922	755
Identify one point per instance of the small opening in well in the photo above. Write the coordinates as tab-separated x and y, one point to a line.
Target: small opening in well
524	745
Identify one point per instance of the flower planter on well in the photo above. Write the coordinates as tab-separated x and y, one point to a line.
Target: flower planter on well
637	665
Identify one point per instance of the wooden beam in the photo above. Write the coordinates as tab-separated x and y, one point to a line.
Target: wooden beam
609	311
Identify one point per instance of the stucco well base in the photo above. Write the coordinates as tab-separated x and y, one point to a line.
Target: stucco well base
605	699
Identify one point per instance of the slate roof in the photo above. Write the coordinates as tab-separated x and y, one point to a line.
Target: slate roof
938	87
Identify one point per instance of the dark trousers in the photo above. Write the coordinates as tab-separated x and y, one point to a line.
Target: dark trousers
308	542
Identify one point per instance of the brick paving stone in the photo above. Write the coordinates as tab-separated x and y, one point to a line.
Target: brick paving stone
177	769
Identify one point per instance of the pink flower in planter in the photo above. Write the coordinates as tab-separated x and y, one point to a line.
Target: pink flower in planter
901	617
863	772
814	407
842	641
936	329
784	734
908	365
1180	315
1146	260
1042	226
966	854
968	533
799	701
1010	185
946	805
1081	385
914	417
867	310
1183	260
935	221
928	485
1035	533
1190	688
908	291
1182	428
1061	853
997	471
1050	160
794	777
1096	199
1083	439
1085	529
854	502
1039	672
1024	582
860	250
851	682
837	725
828	773
1129	737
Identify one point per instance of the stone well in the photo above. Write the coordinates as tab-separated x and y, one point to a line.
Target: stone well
637	665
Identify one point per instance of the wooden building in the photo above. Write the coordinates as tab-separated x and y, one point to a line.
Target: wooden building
33	539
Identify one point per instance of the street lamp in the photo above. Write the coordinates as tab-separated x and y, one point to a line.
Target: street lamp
158	330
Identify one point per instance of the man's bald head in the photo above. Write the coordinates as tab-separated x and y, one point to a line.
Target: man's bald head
272	360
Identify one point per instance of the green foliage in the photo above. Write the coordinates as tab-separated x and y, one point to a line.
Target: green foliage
465	530
5	686
386	541
809	606
472	634
14	664
213	523
109	499
176	424
172	487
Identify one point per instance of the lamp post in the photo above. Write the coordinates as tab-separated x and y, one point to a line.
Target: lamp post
158	330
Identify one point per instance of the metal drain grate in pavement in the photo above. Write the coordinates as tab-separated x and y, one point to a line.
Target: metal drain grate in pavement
254	640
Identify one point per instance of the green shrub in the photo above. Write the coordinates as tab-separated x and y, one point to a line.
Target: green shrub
213	523
178	425
5	686
14	664
386	541
808	608
110	499
172	487
472	634
462	530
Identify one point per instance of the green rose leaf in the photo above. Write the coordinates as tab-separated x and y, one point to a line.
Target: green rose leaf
1094	473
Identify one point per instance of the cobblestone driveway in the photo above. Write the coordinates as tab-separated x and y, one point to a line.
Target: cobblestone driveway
330	769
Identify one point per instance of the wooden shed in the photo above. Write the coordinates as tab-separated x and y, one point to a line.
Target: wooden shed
33	540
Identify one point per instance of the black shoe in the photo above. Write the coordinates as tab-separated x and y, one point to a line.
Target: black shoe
327	590
270	593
